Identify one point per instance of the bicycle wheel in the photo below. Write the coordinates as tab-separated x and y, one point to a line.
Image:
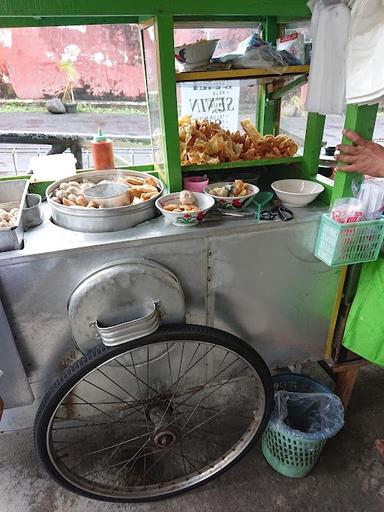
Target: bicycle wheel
154	417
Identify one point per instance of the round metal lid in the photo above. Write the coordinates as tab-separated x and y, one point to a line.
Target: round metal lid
122	291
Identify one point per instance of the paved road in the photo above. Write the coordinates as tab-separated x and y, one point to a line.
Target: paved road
80	123
115	125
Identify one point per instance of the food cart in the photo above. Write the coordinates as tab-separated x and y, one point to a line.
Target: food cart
206	294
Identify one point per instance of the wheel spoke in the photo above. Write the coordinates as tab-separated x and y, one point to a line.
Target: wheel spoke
138	378
129	404
208	384
205	421
219	386
94	406
184	457
179	380
133	458
140	392
114	445
118	385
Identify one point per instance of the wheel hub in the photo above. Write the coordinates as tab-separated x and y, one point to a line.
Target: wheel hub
161	416
164	439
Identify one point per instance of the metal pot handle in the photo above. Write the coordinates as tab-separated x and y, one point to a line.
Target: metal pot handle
129	331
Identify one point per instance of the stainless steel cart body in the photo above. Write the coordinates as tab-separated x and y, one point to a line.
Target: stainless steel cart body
259	281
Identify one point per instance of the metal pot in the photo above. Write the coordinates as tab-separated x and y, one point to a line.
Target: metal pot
89	220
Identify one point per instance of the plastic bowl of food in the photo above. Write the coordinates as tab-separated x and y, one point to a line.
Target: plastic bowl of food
196	54
238	193
297	193
184	214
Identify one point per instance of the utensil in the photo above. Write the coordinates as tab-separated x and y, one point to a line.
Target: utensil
282	212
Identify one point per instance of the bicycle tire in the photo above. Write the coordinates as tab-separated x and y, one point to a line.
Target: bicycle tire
101	355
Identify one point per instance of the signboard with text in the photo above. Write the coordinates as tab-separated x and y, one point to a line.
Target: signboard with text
215	101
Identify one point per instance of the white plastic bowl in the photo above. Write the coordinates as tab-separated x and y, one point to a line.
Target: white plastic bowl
297	193
204	202
232	203
196	54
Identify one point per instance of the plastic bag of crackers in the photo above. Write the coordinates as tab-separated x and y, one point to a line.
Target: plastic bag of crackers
205	142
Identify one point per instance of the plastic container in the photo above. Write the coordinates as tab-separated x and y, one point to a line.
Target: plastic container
195	54
53	167
195	183
347	244
102	152
297	383
291	452
261	201
288	455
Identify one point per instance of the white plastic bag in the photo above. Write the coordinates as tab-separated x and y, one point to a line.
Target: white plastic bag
371	195
293	44
312	416
346	210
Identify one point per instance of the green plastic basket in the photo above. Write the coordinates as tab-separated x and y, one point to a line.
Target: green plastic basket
288	454
345	244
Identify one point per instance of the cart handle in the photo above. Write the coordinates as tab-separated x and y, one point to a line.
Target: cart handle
131	330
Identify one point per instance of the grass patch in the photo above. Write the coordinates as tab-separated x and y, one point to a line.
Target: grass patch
95	109
82	108
10	108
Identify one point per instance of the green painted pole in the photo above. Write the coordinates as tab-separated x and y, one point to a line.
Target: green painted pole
360	119
312	145
168	100
269	109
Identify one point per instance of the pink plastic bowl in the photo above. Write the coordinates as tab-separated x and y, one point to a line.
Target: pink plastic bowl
194	184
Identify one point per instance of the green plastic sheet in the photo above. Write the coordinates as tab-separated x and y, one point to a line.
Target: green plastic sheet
364	332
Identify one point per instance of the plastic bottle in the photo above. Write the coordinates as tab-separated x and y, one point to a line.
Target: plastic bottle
102	152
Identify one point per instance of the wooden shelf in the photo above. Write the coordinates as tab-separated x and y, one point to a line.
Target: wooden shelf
241	164
228	74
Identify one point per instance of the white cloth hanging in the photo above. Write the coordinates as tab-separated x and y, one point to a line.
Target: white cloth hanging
365	54
326	83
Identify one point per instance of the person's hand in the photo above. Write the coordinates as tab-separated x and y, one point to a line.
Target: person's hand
363	157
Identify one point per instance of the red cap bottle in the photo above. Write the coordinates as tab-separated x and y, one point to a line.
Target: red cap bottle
102	152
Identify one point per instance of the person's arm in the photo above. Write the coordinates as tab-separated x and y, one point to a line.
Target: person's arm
363	157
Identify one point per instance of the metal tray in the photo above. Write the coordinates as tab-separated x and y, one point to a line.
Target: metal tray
89	220
12	195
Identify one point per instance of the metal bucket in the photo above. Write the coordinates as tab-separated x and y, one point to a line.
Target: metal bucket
89	220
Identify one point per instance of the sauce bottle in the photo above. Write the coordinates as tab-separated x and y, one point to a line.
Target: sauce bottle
102	152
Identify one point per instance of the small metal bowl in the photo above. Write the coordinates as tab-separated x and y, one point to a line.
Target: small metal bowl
108	195
32	214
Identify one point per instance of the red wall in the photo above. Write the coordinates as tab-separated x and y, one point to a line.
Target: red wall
108	63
